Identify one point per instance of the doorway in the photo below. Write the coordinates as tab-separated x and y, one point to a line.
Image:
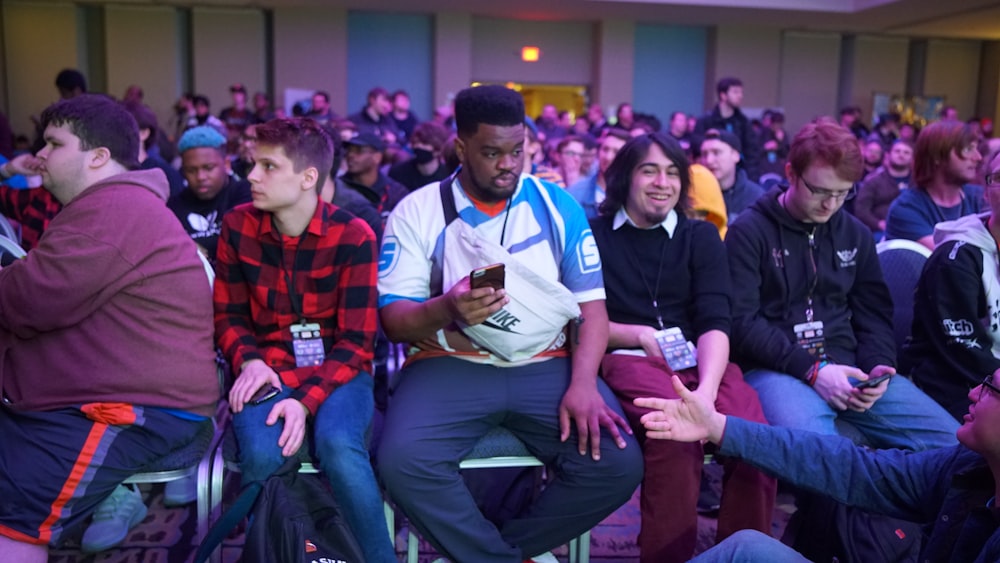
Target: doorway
572	98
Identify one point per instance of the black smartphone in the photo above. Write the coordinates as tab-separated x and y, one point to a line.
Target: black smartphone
488	276
871	382
264	394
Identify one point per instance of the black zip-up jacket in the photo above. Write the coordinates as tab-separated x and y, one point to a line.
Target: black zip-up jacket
771	257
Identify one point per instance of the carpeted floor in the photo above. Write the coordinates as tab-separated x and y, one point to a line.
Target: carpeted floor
167	535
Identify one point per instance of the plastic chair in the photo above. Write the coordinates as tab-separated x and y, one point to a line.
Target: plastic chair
10	250
193	458
500	448
902	262
8	230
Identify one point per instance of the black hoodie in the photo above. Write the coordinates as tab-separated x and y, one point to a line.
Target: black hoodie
771	263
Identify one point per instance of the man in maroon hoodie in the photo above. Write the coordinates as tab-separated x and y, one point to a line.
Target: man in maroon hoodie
105	335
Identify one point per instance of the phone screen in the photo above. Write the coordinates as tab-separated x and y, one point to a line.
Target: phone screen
264	394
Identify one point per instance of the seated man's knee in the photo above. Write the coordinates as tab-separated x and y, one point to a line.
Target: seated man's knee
619	470
258	463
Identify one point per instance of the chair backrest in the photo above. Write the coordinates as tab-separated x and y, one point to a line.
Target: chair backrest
209	270
8	230
10	251
902	262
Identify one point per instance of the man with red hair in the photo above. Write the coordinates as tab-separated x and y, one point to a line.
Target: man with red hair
812	316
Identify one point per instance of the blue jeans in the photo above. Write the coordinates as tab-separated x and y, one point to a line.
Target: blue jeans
750	546
340	444
904	417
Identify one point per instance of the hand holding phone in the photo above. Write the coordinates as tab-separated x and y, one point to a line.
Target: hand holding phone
488	276
871	382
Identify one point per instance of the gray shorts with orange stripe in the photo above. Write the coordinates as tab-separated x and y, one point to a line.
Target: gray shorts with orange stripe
57	466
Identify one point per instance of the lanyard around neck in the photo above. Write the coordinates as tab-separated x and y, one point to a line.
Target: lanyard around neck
296	299
659	272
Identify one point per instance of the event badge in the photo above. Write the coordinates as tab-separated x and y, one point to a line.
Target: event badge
810	338
677	351
308	345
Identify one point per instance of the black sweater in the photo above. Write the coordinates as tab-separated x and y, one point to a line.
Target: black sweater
772	273
693	292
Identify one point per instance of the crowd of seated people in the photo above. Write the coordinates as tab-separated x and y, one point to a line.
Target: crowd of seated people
780	317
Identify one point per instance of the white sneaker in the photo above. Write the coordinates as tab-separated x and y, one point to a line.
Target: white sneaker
546	557
113	519
181	491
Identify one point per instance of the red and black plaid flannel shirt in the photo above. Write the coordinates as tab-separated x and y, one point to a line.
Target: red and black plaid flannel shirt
334	277
33	208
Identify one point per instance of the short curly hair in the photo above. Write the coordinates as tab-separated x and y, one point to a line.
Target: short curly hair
488	105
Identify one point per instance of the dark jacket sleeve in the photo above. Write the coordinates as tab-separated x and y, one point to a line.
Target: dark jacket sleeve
756	342
710	280
752	152
865	204
949	304
871	310
898	483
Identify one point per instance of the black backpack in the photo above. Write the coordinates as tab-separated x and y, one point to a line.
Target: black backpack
827	531
294	519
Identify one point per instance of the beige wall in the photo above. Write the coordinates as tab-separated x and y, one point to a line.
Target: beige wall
566	51
794	70
810	68
452	56
989	83
878	64
142	46
753	54
952	71
310	52
614	62
227	47
34	60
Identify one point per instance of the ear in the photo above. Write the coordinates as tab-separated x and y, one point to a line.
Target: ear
309	177
789	173
460	149
98	157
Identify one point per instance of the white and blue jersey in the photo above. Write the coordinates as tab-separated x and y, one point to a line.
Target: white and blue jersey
544	227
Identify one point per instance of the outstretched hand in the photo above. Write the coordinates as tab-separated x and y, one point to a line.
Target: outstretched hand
692	418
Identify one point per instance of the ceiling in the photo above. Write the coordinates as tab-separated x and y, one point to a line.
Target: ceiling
972	19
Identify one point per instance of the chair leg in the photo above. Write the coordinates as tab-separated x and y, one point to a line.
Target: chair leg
204	499
215	496
584	548
412	547
390	521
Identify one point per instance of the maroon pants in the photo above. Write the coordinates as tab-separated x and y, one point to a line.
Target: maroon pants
670	487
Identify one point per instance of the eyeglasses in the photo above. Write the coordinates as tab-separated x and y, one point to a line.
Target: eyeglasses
823	193
988	384
572	154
